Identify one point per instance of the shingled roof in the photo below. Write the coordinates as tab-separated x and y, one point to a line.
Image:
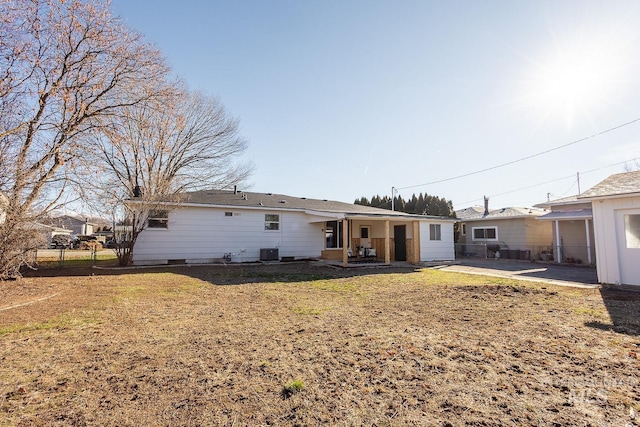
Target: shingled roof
615	185
245	199
475	213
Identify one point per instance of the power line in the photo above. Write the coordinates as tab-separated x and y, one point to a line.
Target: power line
553	180
523	158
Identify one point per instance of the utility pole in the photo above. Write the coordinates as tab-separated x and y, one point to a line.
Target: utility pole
393	190
578	175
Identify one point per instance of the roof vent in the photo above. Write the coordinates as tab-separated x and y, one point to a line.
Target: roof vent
269	194
260	203
303	198
244	197
283	201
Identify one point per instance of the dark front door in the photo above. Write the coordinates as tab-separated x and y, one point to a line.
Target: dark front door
400	242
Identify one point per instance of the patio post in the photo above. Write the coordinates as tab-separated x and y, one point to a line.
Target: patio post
558	256
387	246
345	244
586	226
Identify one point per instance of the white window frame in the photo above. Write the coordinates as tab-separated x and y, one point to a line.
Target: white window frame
435	232
271	220
160	219
493	227
336	234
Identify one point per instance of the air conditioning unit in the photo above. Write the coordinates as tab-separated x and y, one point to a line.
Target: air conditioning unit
269	254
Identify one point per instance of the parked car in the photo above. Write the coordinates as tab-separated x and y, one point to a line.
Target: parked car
110	244
61	241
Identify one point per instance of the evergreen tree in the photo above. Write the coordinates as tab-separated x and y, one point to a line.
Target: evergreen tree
423	204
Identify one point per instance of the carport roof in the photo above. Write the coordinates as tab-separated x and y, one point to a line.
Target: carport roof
567	215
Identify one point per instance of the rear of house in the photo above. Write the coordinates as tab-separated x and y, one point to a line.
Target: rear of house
214	226
511	233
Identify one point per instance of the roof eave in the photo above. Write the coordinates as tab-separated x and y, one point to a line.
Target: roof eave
609	196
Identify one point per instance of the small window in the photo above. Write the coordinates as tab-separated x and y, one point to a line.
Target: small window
272	222
485	233
364	232
434	232
632	231
464	229
158	219
228	214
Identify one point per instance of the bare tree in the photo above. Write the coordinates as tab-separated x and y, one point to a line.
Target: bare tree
66	69
630	167
158	149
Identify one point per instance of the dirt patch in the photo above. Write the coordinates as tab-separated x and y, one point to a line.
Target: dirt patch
302	344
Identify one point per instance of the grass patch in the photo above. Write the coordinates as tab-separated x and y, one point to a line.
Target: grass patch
292	387
307	311
60	322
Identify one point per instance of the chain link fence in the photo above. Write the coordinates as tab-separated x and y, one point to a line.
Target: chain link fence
567	254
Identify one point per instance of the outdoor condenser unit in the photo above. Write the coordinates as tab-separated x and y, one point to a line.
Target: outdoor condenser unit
269	254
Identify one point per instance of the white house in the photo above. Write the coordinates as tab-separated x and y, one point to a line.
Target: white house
209	226
615	204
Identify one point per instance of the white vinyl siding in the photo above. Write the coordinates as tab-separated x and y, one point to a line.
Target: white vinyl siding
436	250
201	234
613	263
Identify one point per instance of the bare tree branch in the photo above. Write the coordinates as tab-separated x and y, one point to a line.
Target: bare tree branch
66	68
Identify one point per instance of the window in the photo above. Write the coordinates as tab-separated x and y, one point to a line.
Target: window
272	222
632	231
364	232
158	219
228	214
464	229
434	232
333	234
485	233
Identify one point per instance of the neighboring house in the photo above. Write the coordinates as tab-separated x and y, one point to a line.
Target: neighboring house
77	225
573	237
208	226
505	233
616	221
47	232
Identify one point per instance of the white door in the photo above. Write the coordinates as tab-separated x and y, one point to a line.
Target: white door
628	234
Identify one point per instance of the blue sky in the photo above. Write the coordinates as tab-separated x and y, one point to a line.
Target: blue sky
343	99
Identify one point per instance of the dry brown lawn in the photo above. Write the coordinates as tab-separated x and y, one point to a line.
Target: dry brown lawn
305	344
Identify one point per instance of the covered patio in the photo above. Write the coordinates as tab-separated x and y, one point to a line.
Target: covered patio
368	239
572	235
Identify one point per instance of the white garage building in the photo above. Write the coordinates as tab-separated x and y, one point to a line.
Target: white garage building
616	221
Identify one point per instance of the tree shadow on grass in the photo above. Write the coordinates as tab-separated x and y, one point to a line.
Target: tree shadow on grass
623	306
